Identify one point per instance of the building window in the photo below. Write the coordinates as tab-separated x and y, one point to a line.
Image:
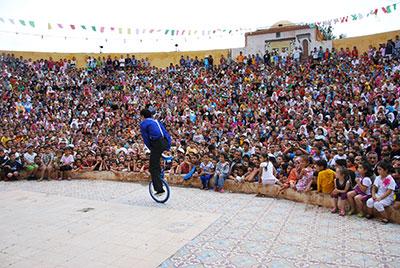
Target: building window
278	35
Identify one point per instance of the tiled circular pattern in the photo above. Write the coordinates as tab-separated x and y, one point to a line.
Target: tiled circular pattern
251	231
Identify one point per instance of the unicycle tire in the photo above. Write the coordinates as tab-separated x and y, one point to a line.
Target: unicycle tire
163	198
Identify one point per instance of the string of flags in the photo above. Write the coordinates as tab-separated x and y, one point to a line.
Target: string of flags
193	32
356	16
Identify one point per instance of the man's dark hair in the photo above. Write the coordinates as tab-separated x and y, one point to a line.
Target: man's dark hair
322	163
145	113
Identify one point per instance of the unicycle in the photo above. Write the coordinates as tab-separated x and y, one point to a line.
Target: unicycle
165	196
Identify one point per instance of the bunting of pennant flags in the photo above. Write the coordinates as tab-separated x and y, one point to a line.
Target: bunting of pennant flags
177	32
356	16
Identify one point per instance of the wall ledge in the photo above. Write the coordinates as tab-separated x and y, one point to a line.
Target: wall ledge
311	198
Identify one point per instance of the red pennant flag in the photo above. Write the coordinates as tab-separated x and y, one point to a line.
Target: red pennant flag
177	32
112	29
151	30
72	27
344	19
102	29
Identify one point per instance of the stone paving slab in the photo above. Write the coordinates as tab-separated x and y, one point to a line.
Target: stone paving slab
251	231
47	230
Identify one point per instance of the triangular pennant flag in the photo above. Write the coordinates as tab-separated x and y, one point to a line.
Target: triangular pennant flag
12	21
144	31
94	28
120	30
394	6
60	25
172	32
158	30
386	10
112	29
72	27
166	32
22	22
32	23
336	21
129	30
214	31
344	19
189	32
2	20
177	32
83	27
183	32
151	31
230	31
360	16
137	31
354	16
102	29
49	26
195	32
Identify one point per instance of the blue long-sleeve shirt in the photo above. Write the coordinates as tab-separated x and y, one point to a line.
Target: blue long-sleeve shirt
151	131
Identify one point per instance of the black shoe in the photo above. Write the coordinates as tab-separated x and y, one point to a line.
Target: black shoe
159	193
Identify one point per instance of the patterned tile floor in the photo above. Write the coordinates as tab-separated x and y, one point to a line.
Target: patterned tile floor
251	231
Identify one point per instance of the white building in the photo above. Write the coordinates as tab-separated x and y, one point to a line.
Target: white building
283	34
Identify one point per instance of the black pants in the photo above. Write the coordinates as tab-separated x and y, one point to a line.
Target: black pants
157	147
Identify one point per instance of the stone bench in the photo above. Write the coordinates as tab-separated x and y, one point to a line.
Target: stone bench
312	198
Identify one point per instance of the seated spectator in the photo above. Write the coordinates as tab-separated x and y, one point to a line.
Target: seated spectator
325	178
207	171
12	168
304	175
339	194
362	191
382	191
66	163
221	173
267	171
46	167
30	166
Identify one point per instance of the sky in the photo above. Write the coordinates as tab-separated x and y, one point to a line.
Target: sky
179	15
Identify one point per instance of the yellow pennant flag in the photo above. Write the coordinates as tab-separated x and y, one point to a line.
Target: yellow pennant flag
129	30
120	30
49	26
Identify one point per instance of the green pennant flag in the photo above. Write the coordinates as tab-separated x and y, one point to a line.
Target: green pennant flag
32	23
172	32
386	10
394	6
166	32
83	27
94	28
22	22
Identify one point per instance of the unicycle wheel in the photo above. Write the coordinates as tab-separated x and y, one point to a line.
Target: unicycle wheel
160	198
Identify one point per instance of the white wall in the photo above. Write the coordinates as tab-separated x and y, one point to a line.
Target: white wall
256	43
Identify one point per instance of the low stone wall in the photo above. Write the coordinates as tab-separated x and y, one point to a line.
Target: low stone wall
312	198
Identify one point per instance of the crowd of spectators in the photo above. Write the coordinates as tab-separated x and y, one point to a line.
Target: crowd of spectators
328	122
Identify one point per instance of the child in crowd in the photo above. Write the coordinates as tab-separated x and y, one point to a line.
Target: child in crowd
67	161
304	174
339	194
325	178
382	191
362	191
221	173
207	171
267	172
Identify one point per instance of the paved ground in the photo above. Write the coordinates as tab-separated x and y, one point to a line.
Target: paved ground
250	231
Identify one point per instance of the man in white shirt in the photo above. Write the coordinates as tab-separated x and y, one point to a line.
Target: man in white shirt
30	165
